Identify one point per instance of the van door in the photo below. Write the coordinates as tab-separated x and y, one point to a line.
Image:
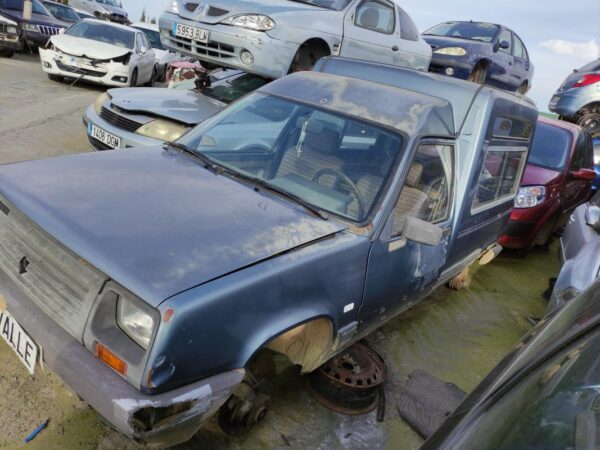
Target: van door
400	271
522	66
370	32
502	66
574	191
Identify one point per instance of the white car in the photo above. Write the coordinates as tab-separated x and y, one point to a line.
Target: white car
101	52
103	9
163	56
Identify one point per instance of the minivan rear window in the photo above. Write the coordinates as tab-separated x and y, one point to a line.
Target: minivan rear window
550	147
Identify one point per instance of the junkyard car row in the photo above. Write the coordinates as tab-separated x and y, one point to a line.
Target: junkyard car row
308	210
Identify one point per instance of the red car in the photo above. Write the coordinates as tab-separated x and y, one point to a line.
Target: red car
558	178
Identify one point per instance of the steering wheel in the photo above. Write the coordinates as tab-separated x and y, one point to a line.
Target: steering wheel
340	176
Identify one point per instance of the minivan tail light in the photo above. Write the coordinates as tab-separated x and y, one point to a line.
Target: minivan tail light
588	79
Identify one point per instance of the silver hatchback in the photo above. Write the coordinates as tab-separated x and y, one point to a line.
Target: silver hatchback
274	37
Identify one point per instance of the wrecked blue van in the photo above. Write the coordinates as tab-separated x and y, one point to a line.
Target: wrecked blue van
298	219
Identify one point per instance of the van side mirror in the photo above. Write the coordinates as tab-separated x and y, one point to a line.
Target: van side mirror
583	175
143	50
418	230
592	217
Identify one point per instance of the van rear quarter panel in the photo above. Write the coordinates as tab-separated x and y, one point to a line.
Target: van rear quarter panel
480	228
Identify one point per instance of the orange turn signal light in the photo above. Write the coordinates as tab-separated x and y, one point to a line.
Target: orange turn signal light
110	359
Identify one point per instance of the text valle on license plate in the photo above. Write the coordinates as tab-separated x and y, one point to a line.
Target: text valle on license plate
18	340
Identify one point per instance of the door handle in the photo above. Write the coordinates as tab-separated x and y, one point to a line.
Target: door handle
395	48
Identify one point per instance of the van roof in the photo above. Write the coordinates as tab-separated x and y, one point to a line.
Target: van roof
458	93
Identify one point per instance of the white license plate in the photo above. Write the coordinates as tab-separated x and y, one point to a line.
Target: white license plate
193	33
18	340
104	136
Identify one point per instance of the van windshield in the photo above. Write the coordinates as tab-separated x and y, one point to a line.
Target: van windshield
475	31
336	5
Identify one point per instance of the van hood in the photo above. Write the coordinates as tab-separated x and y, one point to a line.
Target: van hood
36	19
229	8
184	106
443	41
87	48
156	221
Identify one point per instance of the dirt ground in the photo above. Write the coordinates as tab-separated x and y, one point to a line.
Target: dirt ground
456	336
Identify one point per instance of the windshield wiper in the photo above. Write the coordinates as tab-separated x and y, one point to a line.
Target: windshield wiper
205	160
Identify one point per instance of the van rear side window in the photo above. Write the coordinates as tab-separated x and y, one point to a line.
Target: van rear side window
500	176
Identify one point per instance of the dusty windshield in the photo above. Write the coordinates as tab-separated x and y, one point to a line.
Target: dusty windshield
336	5
62	12
110	2
332	162
153	36
484	32
102	33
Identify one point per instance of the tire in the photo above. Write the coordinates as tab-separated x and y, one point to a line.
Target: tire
523	88
590	122
306	57
134	78
7	53
479	74
56	78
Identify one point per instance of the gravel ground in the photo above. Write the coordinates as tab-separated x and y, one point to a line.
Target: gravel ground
457	336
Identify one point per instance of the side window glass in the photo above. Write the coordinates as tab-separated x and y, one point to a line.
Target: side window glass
500	175
505	35
139	42
408	29
146	42
519	50
582	158
427	192
375	15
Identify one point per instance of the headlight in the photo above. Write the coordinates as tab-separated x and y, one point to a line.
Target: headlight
32	27
12	30
256	22
135	322
165	130
597	158
99	101
173	6
567	294
530	196
452	51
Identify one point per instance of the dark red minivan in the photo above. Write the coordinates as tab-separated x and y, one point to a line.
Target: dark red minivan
558	177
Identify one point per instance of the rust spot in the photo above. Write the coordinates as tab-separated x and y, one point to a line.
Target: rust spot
168	314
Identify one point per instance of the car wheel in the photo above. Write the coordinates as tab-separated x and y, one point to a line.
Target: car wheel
134	78
590	122
7	53
307	56
153	77
479	74
523	88
57	78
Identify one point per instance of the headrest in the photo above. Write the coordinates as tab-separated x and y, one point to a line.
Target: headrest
414	174
321	138
370	18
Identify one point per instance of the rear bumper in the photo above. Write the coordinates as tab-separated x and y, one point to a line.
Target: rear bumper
109	394
272	57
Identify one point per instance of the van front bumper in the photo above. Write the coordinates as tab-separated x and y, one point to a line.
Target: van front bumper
124	407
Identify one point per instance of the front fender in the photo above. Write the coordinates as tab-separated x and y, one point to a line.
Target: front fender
221	324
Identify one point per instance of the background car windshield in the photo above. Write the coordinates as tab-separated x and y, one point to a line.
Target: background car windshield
102	33
550	147
231	90
17	5
110	2
153	37
484	32
61	12
333	162
336	5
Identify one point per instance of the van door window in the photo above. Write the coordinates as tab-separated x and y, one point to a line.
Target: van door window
500	176
408	29
429	186
506	36
376	15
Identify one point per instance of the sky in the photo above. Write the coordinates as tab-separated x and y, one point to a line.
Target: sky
560	35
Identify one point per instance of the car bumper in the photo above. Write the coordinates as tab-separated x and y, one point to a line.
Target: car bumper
443	64
115	74
567	104
128	139
524	225
109	394
9	42
272	57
